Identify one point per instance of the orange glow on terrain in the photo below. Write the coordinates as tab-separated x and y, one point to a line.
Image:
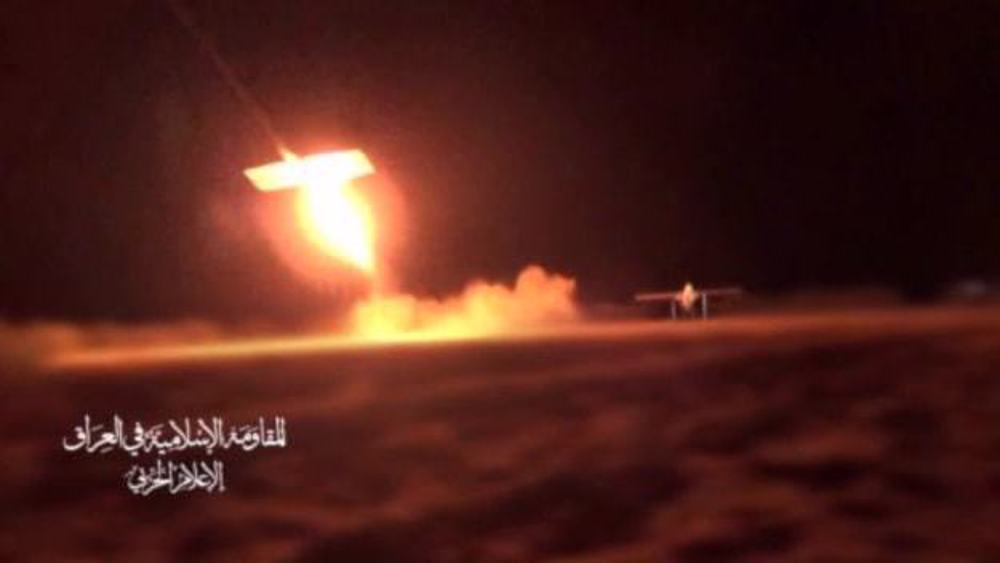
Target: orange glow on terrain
60	355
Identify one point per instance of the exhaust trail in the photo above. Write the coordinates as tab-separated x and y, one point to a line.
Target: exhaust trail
205	43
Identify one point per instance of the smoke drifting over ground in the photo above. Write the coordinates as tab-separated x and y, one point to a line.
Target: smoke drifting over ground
483	308
536	299
39	342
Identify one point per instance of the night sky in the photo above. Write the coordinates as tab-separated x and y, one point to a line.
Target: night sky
773	145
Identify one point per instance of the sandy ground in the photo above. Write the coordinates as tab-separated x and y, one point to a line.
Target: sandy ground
856	436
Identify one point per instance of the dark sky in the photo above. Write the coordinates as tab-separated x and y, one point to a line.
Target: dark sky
774	145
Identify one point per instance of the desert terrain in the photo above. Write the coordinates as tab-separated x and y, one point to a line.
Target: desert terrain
868	435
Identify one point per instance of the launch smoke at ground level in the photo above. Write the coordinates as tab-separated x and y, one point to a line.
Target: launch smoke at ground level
537	302
536	299
745	329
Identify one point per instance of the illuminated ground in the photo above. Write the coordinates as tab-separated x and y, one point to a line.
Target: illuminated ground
839	437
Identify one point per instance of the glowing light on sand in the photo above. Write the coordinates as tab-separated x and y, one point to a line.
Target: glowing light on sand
331	211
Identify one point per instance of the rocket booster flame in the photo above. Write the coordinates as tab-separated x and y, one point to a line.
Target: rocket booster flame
330	210
341	222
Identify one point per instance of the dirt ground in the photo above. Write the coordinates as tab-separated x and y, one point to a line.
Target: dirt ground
850	436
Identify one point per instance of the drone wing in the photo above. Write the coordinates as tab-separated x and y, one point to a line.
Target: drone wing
722	291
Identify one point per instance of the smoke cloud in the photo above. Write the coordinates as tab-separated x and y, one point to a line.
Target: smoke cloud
537	298
30	344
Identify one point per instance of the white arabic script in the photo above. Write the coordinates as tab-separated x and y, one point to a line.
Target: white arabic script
176	477
174	436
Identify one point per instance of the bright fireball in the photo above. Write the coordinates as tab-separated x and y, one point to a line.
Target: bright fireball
333	214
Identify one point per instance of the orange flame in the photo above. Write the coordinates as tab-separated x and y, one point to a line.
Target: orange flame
340	221
332	213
